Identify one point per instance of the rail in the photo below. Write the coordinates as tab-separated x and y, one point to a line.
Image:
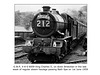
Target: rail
19	52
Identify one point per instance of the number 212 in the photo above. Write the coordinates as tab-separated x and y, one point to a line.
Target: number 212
43	25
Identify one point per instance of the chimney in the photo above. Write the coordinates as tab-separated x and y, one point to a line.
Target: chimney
46	8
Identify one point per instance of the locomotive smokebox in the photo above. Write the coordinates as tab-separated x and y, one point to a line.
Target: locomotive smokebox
46	8
46	23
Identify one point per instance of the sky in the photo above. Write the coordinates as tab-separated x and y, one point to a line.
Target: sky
33	8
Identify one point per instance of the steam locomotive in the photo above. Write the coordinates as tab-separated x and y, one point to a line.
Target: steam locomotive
53	35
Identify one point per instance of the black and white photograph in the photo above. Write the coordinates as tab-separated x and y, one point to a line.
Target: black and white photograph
50	34
49	37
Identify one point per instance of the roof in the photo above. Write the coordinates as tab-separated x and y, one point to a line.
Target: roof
22	29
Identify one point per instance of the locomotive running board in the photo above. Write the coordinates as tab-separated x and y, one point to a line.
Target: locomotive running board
65	38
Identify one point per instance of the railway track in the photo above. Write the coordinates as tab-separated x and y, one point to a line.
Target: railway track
77	61
68	59
19	52
20	55
75	57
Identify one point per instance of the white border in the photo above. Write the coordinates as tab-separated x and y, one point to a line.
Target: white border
7	33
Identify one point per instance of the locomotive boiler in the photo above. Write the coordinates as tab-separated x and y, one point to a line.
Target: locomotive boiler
52	35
